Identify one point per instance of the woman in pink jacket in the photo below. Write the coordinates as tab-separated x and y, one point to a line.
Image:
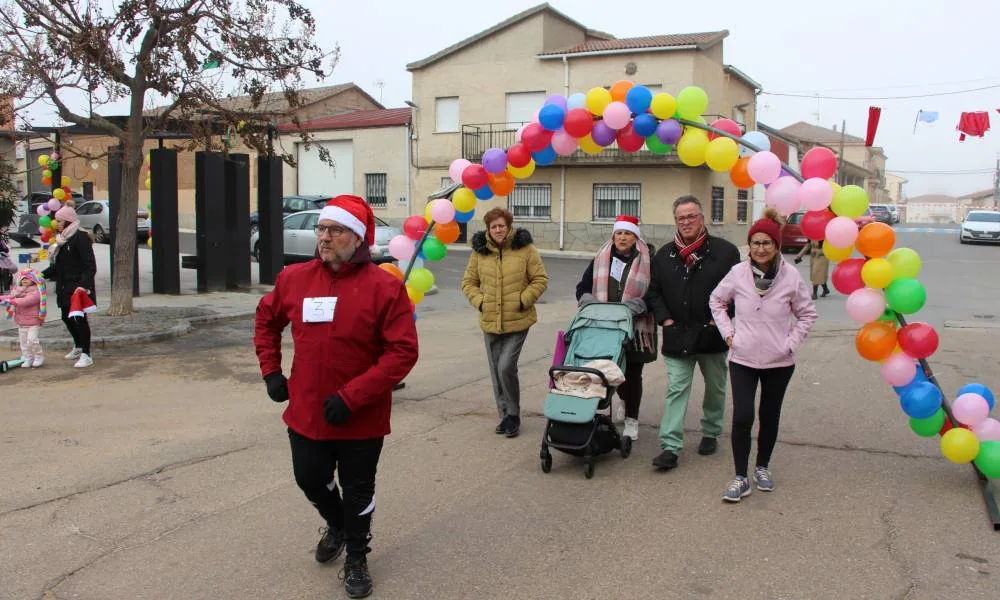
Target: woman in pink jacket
774	313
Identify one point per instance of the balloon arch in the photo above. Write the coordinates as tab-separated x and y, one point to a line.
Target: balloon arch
881	285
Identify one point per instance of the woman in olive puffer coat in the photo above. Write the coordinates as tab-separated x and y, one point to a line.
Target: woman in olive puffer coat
504	279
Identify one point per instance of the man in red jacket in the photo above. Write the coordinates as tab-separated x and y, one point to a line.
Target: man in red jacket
354	339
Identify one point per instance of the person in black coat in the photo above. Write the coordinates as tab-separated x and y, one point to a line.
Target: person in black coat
684	274
72	265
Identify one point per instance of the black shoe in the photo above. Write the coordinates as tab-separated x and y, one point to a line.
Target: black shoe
502	427
826	291
666	460
330	546
708	446
357	579
513	427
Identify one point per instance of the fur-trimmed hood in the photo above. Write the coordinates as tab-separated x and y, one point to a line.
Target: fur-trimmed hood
521	238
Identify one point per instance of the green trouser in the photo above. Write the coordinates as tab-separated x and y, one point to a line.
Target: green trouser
680	373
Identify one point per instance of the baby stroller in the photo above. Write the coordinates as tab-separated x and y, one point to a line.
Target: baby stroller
574	424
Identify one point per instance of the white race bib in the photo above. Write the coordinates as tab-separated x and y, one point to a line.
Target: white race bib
318	310
617	268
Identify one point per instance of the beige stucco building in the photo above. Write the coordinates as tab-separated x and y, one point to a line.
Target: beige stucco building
475	95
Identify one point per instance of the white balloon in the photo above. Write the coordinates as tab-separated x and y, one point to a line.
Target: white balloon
755	138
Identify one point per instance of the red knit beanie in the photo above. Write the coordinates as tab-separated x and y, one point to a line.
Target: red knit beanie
769	225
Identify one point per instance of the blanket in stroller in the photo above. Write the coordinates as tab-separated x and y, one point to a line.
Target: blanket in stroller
588	385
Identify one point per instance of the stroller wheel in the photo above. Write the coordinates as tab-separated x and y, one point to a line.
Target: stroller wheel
546	463
626	448
588	469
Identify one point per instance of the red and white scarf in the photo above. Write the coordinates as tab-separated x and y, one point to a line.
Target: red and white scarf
689	252
635	288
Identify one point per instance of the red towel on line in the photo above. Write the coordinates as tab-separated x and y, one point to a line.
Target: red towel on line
874	113
975	124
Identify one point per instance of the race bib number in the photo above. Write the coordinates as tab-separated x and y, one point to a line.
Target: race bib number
318	310
617	268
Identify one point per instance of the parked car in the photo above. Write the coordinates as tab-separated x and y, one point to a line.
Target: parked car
27	227
981	226
792	238
95	217
300	238
291	205
881	213
894	211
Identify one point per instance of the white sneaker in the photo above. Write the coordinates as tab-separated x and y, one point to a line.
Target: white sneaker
39	361
619	411
85	361
25	362
631	429
74	354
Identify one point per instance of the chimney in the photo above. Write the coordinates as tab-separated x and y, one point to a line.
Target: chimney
834	127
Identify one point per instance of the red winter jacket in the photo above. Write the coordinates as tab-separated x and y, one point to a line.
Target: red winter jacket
367	349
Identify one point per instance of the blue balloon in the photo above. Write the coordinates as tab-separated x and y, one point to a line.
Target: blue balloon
551	117
919	377
638	100
545	156
577	100
978	388
644	124
464	217
922	400
483	193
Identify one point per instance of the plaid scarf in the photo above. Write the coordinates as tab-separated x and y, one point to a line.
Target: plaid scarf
635	288
61	238
689	251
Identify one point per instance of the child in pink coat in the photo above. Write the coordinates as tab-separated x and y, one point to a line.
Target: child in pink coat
27	304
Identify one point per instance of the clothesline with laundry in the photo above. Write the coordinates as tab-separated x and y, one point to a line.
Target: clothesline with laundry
970	123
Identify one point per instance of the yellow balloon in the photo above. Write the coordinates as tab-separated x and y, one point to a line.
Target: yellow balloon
835	186
415	295
589	146
427	213
663	106
43	255
959	445
59	194
691	147
692	102
598	99
66	180
464	200
722	154
149	183
43	160
877	273
836	254
149	242
522	172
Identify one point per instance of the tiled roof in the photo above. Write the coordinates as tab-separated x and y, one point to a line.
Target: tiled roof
814	133
276	101
361	119
980	195
702	40
932	199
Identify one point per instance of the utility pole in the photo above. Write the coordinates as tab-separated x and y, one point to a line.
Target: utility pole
840	163
996	185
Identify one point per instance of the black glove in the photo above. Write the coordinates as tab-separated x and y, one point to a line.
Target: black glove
335	410
277	387
798	259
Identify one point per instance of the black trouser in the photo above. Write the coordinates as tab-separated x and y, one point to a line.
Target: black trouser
773	383
631	391
355	462
79	328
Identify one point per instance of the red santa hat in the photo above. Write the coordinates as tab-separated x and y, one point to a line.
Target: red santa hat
81	304
627	223
353	213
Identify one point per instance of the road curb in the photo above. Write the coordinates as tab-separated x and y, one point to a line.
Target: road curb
971	325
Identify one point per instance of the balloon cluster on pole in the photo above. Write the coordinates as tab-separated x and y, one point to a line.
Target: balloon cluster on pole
46	211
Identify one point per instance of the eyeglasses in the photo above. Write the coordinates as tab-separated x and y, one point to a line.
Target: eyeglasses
763	244
687	218
335	231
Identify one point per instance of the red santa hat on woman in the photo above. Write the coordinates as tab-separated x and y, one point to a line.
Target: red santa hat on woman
353	213
627	223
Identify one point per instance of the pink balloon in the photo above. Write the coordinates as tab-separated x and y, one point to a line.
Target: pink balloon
520	130
534	117
970	409
899	369
457	167
54	204
617	115
401	248
841	232
987	430
42	210
563	143
442	211
783	194
816	194
764	167
866	305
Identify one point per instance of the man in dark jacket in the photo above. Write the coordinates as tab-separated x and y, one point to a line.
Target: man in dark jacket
354	340
684	273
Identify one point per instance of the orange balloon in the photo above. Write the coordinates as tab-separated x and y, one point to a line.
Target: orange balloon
739	174
876	340
501	183
447	232
620	89
875	240
392	270
46	181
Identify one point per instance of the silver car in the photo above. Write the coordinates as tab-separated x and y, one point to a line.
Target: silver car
300	237
95	217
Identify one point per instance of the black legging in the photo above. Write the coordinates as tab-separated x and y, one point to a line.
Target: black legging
79	328
631	391
773	383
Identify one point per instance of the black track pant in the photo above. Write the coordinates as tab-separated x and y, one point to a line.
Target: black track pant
773	383
79	328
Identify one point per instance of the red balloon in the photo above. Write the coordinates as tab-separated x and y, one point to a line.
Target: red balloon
629	140
948	427
578	122
819	162
535	137
814	223
414	227
475	176
67	189
846	277
919	340
728	125
518	156
46	235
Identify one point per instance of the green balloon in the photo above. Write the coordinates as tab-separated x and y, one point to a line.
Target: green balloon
888	315
656	146
906	296
930	426
45	221
988	459
905	263
421	279
851	202
433	249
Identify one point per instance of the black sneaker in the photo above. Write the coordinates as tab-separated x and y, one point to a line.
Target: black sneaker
513	427
708	446
330	546
502	427
666	460
357	579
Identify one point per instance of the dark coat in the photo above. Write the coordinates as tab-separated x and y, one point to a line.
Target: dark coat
677	294
74	266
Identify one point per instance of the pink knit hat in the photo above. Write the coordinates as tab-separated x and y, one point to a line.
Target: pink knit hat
67	214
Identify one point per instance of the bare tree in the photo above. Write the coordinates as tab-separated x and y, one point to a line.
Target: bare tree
181	54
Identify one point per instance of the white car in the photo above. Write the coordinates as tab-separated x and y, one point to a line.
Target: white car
981	226
300	238
95	216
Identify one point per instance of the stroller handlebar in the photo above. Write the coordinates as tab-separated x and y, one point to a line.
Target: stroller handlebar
568	369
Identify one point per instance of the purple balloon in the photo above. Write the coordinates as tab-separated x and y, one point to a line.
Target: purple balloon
669	131
603	134
42	210
494	160
557	99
